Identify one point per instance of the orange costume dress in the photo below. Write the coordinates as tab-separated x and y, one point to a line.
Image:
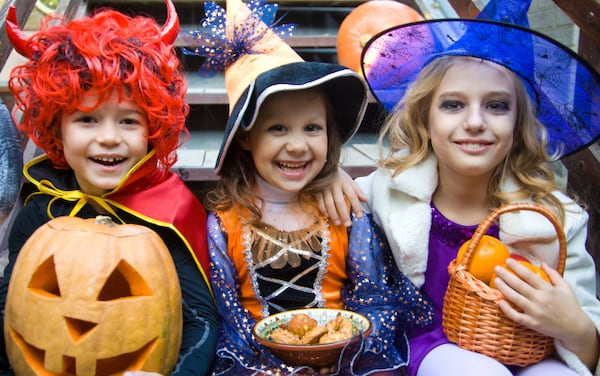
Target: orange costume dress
258	270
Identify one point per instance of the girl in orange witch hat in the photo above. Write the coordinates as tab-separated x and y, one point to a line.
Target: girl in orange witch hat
271	250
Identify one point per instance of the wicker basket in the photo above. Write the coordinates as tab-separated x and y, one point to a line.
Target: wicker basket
471	316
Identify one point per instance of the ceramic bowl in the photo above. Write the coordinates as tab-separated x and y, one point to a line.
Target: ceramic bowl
316	355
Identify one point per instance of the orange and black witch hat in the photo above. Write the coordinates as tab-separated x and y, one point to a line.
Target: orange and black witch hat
243	42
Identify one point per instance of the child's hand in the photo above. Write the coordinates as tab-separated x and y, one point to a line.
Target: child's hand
551	309
332	201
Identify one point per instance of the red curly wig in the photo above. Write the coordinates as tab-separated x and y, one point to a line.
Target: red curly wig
99	54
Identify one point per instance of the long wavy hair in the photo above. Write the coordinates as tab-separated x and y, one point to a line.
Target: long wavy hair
98	54
237	176
407	128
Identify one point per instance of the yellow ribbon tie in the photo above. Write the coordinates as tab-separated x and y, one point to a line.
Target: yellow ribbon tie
81	198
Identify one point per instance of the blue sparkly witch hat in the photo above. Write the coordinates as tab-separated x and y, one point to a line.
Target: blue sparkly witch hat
565	89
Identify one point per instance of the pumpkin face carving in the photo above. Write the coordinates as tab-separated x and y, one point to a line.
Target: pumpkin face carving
88	298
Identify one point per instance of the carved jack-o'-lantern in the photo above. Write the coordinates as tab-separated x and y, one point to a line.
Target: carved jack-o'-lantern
91	298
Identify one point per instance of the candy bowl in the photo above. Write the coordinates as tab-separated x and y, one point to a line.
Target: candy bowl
312	337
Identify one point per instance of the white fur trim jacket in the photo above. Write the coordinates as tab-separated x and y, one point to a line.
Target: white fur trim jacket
401	206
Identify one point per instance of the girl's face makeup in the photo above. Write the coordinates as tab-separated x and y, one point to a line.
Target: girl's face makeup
102	145
472	119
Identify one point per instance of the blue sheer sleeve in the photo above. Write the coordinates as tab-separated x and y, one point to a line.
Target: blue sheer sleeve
237	351
379	291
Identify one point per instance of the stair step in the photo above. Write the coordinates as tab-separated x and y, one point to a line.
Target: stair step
198	155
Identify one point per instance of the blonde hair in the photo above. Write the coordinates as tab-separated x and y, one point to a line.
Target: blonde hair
406	128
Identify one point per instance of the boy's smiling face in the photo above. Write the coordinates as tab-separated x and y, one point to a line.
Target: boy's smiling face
102	145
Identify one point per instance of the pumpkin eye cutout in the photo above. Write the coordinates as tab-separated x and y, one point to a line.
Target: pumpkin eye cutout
124	282
44	280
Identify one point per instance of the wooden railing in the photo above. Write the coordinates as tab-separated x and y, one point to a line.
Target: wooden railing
584	166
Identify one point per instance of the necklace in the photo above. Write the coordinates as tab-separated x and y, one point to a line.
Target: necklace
274	202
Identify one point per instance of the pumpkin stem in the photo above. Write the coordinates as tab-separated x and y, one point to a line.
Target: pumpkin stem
104	220
364	38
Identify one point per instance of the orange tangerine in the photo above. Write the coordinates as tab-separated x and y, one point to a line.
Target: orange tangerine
518	257
488	253
523	261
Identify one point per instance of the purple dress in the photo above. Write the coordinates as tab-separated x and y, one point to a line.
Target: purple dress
445	239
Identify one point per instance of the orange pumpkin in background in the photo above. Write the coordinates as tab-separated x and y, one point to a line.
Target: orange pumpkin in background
366	20
93	298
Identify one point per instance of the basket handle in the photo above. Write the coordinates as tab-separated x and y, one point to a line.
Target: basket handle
493	216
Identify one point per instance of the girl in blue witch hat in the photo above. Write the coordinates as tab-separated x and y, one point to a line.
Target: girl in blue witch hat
478	111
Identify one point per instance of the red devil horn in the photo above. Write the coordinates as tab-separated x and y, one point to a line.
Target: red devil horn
15	35
170	29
